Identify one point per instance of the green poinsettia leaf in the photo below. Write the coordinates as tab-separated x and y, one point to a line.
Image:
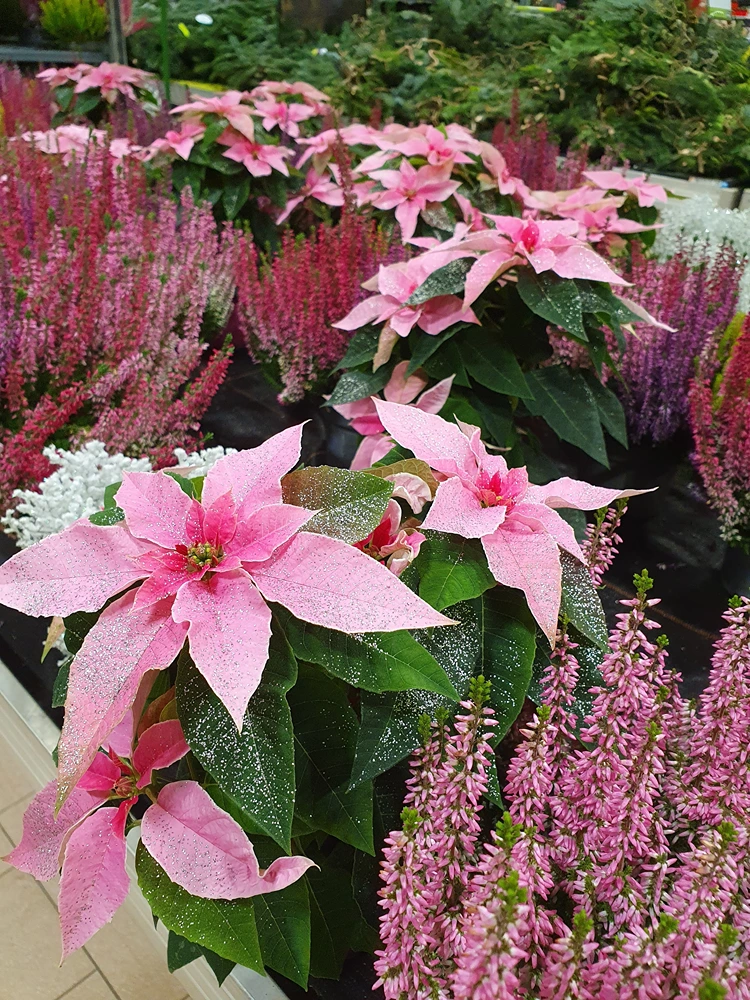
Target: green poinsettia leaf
424	345
375	661
581	604
611	413
255	767
491	364
325	733
181	952
356	385
362	348
235	195
388	730
224	926
452	569
447	280
554	299
60	687
563	398
110	515
77	627
336	921
350	504
508	644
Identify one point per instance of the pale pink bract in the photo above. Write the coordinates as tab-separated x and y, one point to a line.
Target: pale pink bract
410	190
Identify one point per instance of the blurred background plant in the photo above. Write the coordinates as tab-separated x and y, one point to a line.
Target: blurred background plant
74	22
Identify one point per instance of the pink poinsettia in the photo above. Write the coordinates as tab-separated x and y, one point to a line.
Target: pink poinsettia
479	497
438	147
409	191
395	284
180	143
400	388
286	116
595	226
320	147
319	186
638	187
394	543
72	141
498	175
113	79
258	158
58	76
200	847
205	572
228	106
304	90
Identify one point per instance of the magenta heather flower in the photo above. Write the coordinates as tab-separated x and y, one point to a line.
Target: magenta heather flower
600	545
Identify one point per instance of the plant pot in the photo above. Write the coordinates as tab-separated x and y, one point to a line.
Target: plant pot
735	572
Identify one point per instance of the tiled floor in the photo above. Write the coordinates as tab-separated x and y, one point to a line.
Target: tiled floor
122	962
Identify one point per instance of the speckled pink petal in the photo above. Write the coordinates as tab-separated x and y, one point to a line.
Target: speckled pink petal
77	570
94	881
567	492
105	676
541	517
457	509
365	312
436	441
229	631
254	475
327	582
205	851
38	852
156	508
484	271
435	398
220	521
530	561
580	261
164	583
159	746
371	450
102	775
401	388
263	532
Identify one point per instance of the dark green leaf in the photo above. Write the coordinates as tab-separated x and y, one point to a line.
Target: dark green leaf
226	927
610	409
213	130
110	515
350	504
452	569
508	642
553	298
325	733
63	96
491	364
589	657
336	921
580	602
423	345
388	730
563	398
110	493
60	687
221	967
256	766
236	193
375	661
448	361
87	101
362	348
180	951
185	484
283	920
447	280
77	627
358	385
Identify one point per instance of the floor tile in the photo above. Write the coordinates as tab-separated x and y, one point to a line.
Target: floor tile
132	961
92	988
15	780
30	952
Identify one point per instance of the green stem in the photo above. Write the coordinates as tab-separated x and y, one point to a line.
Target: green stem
164	35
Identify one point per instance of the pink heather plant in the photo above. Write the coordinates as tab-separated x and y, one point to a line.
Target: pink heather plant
24	103
287	305
600	545
695	297
400	388
199	846
479	497
620	870
105	293
206	571
719	408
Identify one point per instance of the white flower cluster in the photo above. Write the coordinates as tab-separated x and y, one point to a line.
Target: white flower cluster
698	220
76	488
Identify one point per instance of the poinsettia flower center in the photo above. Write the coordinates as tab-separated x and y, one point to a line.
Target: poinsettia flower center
492	493
530	236
125	787
202	555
